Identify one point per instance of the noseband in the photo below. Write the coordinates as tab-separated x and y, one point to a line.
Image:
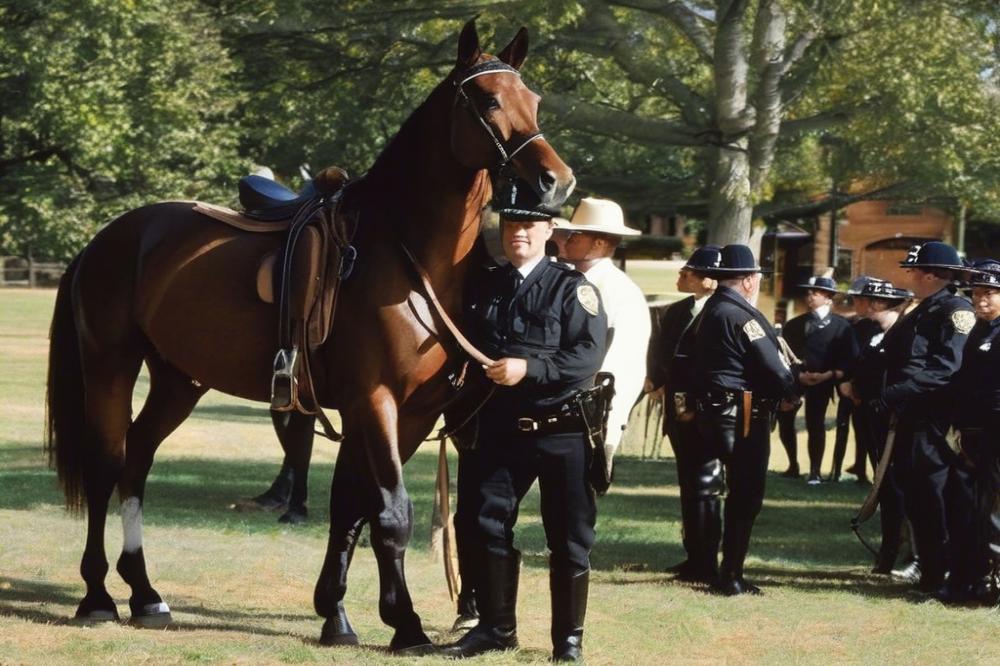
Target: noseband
489	67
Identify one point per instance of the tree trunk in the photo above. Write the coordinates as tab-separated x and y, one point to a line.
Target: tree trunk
730	206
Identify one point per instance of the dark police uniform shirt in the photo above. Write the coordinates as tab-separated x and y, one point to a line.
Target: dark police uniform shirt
868	371
555	321
822	344
736	349
924	351
976	390
676	319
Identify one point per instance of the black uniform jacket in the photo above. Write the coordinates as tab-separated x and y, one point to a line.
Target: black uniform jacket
675	320
976	390
555	321
736	349
868	373
924	351
822	344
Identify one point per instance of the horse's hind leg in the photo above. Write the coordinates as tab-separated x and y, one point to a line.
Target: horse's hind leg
171	398
110	378
297	442
348	492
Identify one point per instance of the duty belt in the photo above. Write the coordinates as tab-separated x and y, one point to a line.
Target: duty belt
557	422
721	399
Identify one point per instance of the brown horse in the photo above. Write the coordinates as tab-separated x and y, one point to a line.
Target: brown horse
167	286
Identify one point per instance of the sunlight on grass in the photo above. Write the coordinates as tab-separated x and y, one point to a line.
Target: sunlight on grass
240	585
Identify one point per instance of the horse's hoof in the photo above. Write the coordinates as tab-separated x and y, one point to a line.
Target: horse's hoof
96	617
295	516
260	503
425	650
338	633
155	615
412	643
96	609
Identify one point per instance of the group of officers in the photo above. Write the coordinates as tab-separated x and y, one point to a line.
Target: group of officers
927	381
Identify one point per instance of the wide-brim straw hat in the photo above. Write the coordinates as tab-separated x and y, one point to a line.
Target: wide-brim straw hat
598	216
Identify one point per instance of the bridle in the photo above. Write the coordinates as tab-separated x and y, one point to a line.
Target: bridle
489	67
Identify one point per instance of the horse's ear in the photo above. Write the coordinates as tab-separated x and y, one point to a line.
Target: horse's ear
515	52
468	45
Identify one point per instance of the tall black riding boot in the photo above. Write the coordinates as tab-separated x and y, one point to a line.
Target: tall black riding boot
689	537
496	596
707	528
735	545
569	609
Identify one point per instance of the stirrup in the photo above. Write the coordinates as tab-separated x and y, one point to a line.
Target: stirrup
284	383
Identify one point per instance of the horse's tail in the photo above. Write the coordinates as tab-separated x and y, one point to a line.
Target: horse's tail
65	428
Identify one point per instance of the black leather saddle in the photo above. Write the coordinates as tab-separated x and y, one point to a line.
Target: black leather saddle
268	200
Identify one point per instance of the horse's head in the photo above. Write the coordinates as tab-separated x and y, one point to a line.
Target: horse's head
495	119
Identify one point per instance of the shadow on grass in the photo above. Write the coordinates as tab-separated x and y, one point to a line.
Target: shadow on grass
638	522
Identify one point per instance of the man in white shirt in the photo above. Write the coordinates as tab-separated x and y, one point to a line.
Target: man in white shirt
588	241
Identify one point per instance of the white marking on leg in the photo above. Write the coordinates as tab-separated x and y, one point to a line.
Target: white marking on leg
132	524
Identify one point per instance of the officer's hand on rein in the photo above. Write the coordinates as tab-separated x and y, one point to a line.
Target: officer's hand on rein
507	371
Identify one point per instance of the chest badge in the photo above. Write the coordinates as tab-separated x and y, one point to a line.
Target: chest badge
753	330
963	321
588	298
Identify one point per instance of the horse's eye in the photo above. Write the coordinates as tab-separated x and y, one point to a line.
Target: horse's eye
492	104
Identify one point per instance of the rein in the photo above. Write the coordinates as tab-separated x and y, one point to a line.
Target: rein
462	341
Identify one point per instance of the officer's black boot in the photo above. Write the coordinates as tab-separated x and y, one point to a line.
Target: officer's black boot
569	609
735	545
886	559
496	597
707	528
689	537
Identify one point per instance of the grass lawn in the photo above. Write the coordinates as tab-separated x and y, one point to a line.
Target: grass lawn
240	585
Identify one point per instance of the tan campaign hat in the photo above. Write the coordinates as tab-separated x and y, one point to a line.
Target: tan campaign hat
599	216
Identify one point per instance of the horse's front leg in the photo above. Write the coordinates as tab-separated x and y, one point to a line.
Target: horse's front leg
392	514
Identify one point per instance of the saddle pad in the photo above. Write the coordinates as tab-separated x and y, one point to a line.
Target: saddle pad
240	221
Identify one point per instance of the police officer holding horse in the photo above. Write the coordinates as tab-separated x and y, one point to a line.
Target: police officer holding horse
545	326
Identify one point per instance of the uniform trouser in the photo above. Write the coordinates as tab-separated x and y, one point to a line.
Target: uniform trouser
745	463
685	441
845	410
817	398
493	482
871	431
983	543
937	490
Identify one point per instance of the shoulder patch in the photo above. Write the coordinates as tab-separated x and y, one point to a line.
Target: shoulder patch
587	296
753	330
963	320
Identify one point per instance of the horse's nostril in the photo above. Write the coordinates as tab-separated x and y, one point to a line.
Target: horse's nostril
546	181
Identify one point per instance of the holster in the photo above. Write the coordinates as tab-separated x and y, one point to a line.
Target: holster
594	405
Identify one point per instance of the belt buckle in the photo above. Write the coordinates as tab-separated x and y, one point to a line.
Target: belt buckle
525	424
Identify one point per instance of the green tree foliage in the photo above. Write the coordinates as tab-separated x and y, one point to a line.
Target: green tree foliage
108	105
724	110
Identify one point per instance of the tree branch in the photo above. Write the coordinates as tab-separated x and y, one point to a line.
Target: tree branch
621	125
691	24
787	210
768	60
604	36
